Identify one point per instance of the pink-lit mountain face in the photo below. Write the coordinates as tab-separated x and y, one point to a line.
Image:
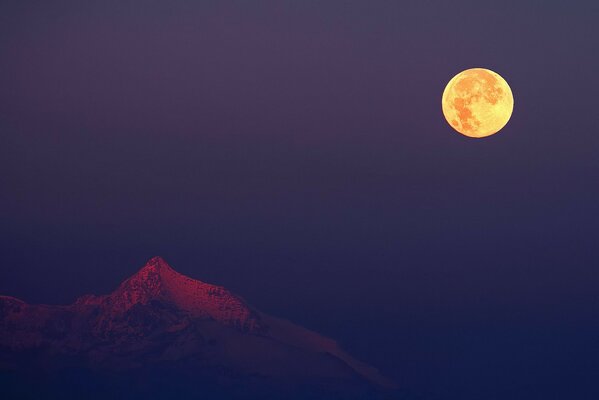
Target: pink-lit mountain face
157	281
162	320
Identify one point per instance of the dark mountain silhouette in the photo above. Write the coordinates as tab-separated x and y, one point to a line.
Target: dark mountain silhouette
161	334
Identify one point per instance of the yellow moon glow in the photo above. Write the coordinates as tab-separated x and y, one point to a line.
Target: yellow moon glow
477	102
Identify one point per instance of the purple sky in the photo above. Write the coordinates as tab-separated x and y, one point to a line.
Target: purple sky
295	152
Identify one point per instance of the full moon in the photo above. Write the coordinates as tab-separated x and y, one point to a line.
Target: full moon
477	102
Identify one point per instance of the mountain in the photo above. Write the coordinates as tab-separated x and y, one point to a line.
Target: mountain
161	333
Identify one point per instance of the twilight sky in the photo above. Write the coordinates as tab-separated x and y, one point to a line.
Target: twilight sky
296	153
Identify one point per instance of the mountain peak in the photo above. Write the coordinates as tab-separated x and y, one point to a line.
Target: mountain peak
158	263
151	277
157	281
